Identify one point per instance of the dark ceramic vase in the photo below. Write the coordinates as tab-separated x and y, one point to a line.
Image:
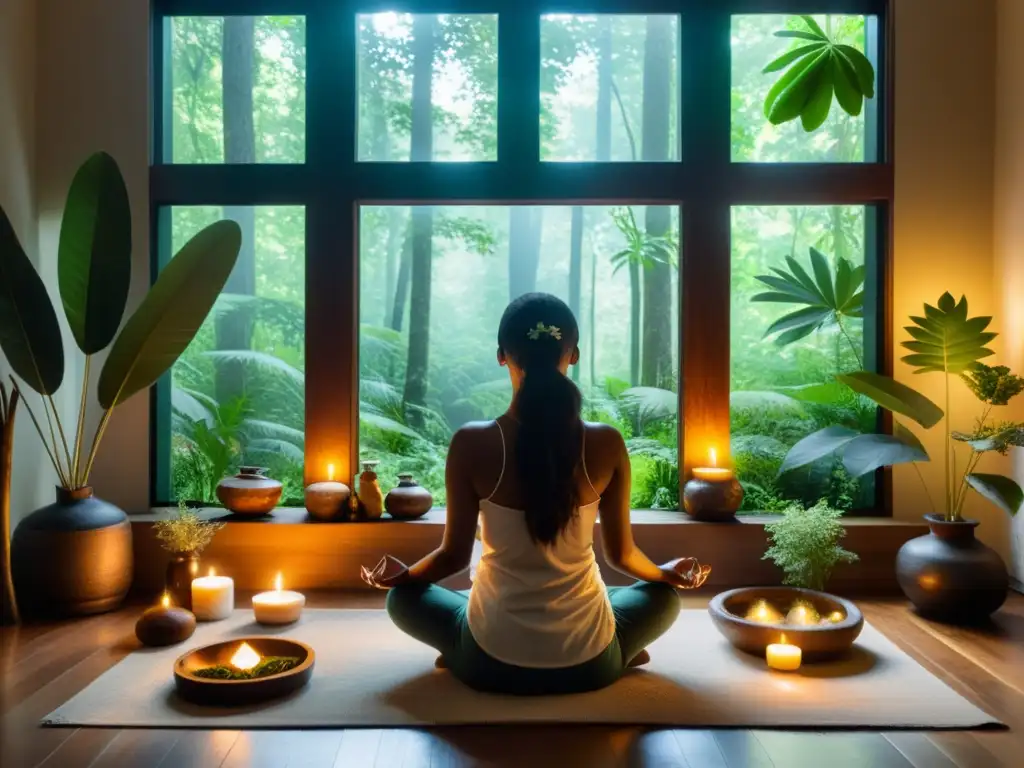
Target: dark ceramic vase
949	575
183	567
408	500
73	557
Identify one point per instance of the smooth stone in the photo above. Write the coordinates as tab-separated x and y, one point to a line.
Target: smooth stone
165	626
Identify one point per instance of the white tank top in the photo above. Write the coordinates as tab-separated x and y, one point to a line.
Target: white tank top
533	605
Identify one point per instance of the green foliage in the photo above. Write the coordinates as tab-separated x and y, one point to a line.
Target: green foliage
805	544
894	396
998	436
819	66
268	665
993	385
1001	491
642	249
945	340
185	532
828	298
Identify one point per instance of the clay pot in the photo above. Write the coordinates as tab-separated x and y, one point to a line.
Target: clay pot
73	557
327	500
949	575
712	501
249	492
407	500
181	570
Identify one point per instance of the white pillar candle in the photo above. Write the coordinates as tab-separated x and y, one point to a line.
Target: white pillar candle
213	597
278	607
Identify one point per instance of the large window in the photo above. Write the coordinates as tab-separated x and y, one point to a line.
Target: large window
401	174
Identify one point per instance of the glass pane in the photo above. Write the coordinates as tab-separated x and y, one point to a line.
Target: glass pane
609	87
428	87
237	392
238	89
783	383
417	388
842	139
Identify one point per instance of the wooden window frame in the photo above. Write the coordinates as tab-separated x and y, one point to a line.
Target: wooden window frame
705	184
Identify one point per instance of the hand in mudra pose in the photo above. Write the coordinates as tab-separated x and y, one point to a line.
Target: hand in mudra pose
388	573
685	573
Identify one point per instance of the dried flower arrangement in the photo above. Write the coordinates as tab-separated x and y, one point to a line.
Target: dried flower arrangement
186	533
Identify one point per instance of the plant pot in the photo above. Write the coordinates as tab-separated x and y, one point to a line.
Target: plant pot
73	557
249	492
408	500
950	575
183	567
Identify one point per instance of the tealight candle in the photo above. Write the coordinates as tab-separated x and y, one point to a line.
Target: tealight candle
213	597
764	612
713	493
326	500
278	607
165	624
783	656
802	614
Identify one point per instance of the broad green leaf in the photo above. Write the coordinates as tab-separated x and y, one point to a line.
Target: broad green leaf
785	80
814	27
803	278
847	87
844	283
795	33
894	396
29	332
94	255
909	438
383	423
792	101
808	317
786	284
819	102
1001	491
815	446
774	296
652	402
823	277
867	453
794	334
171	314
790	56
946	340
824	393
862	66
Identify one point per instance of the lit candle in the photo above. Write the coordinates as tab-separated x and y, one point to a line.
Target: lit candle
326	500
245	657
213	597
783	656
764	612
712	473
278	607
802	614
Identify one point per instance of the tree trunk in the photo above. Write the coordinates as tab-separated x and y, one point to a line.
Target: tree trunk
576	269
234	330
635	300
656	369
524	226
402	280
604	154
422	227
392	253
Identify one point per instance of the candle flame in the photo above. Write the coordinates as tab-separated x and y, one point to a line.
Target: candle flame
245	657
782	639
279	583
212	573
165	601
713	457
330	472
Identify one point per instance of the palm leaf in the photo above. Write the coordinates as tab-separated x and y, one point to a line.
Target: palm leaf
894	396
1001	491
652	403
260	360
946	340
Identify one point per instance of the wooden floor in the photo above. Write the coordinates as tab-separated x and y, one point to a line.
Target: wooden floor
44	665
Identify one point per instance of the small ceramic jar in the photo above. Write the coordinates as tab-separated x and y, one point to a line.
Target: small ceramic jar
250	492
408	500
370	497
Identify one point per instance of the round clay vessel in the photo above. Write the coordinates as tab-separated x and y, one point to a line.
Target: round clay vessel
327	500
181	570
712	501
165	626
951	576
249	492
73	557
408	500
816	641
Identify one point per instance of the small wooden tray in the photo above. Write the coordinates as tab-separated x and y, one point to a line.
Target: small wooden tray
210	691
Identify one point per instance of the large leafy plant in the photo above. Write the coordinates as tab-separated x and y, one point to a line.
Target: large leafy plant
828	298
94	272
944	340
805	544
817	68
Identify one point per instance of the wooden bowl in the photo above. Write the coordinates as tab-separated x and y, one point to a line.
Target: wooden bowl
204	690
817	642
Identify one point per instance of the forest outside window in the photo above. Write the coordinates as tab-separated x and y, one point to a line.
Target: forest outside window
401	174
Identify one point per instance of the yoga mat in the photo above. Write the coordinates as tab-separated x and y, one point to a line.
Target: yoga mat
369	674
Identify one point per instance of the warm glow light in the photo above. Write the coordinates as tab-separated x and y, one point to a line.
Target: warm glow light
245	657
836	616
212	573
330	472
763	612
165	601
278	583
713	457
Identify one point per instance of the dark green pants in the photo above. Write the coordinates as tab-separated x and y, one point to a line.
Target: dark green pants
437	616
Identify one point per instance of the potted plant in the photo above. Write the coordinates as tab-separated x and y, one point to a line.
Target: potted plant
74	557
948	573
805	545
185	536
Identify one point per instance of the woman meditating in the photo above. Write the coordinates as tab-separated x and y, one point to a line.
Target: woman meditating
539	619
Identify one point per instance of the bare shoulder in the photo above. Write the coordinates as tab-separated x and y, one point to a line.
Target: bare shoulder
473	436
603	440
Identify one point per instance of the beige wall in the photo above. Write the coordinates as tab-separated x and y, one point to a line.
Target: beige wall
1008	272
32	481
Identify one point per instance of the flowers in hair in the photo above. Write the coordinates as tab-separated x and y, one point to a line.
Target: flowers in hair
541	329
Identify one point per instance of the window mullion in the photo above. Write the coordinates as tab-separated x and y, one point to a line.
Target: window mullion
519	95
